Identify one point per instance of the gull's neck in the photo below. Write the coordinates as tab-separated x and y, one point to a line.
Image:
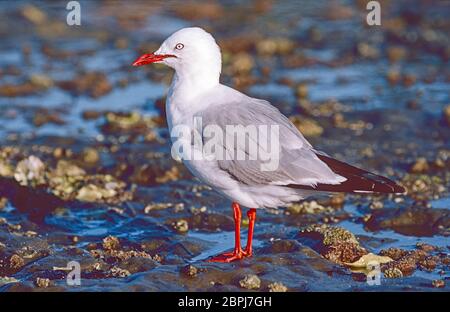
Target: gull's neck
184	98
189	83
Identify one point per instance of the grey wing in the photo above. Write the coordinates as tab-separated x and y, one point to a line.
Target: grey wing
288	157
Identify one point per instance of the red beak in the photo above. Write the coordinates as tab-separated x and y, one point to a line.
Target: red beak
150	58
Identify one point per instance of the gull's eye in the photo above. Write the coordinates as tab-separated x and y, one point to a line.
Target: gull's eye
179	46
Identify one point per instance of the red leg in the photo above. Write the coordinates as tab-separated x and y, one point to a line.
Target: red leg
238	253
251	214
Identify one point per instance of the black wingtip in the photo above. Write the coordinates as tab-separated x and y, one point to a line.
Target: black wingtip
358	180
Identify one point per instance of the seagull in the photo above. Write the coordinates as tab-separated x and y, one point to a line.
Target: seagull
301	171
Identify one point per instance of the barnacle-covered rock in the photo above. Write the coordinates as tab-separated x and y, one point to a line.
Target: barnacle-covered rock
334	243
393	273
30	171
250	281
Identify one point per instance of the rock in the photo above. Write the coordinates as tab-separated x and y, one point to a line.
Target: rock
426	247
311	207
344	252
242	82
405	261
394	253
181	226
138	264
191	10
250	281
410	221
189	270
377	204
24	89
69	182
297	60
30	171
94	84
283	246
438	283
307	126
173	174
16	261
43	116
428	264
121	43
277	287
337	11
111	243
91	114
329	235
41	81
409	80
42	282
60	152
89	193
301	91
423	187
393	273
7	280
118	272
157	206
6	170
242	63
337	200
273	46
66	168
396	53
3	202
393	76
100	86
368	51
34	14
211	221
90	155
334	243
129	123
241	42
